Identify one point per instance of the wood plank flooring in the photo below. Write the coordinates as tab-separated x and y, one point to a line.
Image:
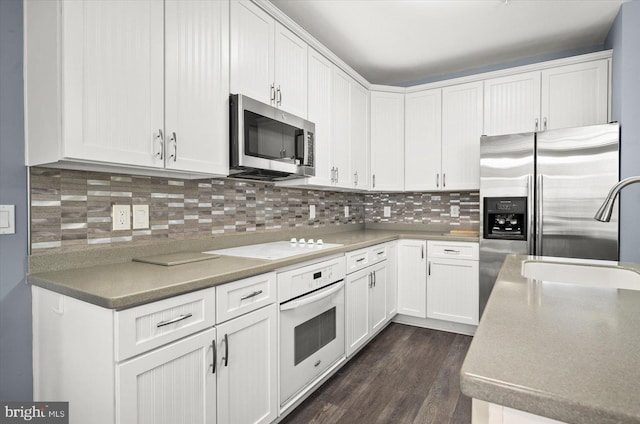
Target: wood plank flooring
406	375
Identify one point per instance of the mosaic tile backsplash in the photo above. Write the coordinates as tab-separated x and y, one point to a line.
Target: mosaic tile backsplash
71	210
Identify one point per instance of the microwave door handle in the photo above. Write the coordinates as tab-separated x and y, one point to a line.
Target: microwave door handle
322	294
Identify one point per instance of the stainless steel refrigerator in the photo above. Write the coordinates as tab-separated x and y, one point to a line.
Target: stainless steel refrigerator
539	193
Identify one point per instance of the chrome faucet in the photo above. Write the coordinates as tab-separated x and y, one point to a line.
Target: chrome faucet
604	213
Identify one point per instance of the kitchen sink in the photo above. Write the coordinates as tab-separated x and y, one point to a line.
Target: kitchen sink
593	273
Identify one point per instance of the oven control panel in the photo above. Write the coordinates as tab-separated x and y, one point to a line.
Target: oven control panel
305	279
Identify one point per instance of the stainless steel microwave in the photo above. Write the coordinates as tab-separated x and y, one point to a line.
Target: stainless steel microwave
268	143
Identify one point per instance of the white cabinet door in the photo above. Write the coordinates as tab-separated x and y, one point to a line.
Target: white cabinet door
512	104
392	280
247	368
320	106
290	72
412	278
452	290
197	86
359	136
377	294
252	47
423	135
387	141
357	309
113	86
461	132
172	384
575	95
341	128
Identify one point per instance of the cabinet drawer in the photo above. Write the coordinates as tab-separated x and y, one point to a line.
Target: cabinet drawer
238	298
452	249
357	259
377	254
149	326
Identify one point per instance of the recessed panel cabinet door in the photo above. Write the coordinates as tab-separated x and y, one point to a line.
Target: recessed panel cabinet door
423	136
252	46
452	290
359	136
290	72
341	127
461	132
512	104
378	293
174	384
357	309
247	368
197	86
412	278
575	95
319	94
387	141
113	81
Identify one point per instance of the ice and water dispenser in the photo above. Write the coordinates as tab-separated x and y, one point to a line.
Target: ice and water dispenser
505	218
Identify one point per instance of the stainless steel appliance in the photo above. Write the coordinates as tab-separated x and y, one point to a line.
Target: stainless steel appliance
539	193
311	325
267	143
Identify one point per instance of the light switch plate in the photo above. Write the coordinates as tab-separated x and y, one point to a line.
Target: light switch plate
121	217
7	219
312	211
387	211
140	217
346	211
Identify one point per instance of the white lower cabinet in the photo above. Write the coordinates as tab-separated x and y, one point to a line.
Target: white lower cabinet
170	385
366	296
412	278
246	368
452	282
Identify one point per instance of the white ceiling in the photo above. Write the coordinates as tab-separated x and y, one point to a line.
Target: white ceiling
395	41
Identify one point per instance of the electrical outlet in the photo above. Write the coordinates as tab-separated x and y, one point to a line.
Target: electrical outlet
346	211
387	211
455	211
312	211
140	217
121	217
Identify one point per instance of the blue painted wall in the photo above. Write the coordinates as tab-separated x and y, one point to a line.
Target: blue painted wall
15	295
624	39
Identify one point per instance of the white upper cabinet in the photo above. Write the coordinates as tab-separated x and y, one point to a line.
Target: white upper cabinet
512	104
341	129
197	86
359	137
575	95
558	97
461	132
101	77
423	135
268	62
320	107
387	141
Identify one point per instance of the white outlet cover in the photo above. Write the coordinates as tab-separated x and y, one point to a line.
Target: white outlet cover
312	211
455	211
140	217
7	219
387	211
121	217
346	211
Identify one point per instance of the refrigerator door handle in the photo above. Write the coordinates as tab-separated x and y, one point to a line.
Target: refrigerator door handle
530	214
539	215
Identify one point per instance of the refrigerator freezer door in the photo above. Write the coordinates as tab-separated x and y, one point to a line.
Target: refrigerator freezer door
506	170
576	167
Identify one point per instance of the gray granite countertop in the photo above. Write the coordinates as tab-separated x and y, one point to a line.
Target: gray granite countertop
123	284
567	352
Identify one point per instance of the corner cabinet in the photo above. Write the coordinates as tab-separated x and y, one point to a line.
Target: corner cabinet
387	141
268	62
109	102
558	97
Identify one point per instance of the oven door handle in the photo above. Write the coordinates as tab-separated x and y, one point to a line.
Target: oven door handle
319	295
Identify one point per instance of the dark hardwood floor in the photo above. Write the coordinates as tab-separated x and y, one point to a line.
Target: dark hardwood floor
406	375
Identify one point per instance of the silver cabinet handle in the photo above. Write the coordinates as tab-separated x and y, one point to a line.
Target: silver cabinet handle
318	362
544	123
360	260
173	320
337	174
174	140
160	139
429	269
438	180
453	251
370	279
355	178
374	180
249	296
279	96
215	357
422	251
536	127
444	180
374	278
225	358
272	97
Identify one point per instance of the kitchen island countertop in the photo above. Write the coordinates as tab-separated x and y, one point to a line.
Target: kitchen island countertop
562	351
120	285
